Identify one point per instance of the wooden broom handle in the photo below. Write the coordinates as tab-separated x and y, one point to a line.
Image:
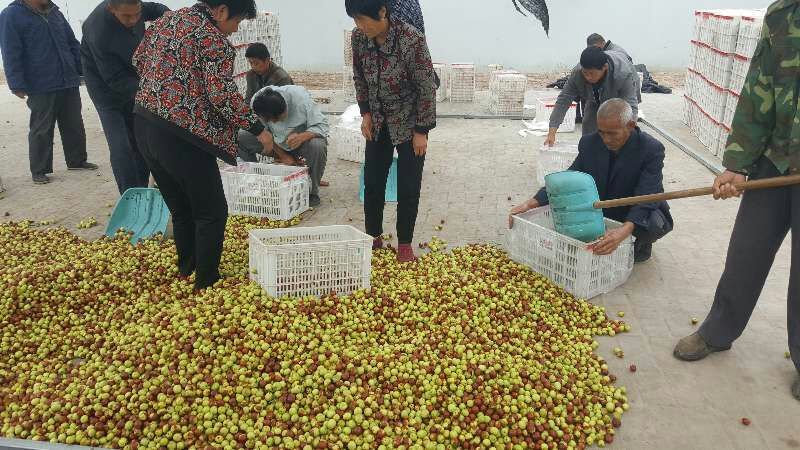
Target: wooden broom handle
765	183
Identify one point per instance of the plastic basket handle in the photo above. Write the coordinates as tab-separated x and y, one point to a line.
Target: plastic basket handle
766	183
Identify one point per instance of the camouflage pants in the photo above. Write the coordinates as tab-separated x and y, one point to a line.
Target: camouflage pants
764	219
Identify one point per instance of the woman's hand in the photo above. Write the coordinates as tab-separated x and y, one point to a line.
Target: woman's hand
420	143
366	126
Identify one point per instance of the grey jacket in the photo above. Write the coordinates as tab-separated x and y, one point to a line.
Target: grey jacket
612	47
622	81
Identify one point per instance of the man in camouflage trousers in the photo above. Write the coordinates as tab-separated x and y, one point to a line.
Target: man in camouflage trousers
765	142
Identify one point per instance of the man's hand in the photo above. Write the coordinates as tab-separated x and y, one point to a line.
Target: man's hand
366	126
724	185
21	94
550	140
296	140
525	207
267	141
420	143
612	239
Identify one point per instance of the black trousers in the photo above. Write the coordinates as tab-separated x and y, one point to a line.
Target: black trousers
377	162
658	226
129	168
62	107
189	180
765	217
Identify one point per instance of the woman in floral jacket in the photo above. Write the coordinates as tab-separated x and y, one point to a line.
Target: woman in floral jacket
188	112
396	93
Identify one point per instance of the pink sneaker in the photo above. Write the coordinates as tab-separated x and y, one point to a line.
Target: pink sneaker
405	253
377	243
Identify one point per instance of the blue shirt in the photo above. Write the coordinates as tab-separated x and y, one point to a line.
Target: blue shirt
409	12
304	115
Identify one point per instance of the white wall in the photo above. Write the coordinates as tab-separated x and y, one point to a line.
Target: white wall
655	32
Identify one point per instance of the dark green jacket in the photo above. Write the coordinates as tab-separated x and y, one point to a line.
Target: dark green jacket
766	122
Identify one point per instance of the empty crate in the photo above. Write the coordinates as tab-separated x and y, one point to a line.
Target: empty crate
553	159
348	143
544	108
443	72
276	192
507	93
348	85
348	47
565	261
297	262
462	83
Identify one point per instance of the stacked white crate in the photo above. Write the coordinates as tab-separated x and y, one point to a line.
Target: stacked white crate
461	86
443	71
265	29
719	57
507	92
348	85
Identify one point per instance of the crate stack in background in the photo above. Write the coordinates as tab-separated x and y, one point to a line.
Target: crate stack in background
348	86
507	92
720	52
265	28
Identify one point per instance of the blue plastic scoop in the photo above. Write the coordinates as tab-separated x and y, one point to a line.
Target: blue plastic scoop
578	212
141	211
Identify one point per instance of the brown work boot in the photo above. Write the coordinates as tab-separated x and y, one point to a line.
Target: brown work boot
796	388
695	348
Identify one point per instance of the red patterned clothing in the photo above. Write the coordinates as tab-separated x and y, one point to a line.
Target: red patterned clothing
186	68
395	82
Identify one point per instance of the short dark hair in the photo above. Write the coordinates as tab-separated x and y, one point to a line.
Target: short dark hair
593	58
269	104
369	8
595	39
238	8
258	51
115	3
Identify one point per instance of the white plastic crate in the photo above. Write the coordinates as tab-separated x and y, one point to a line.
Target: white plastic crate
741	65
727	42
462	83
348	85
565	261
297	262
553	159
443	71
719	70
750	33
544	108
347	42
348	143
273	191
265	28
730	108
507	93
495	67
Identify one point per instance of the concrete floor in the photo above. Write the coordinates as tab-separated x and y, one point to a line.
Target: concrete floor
473	167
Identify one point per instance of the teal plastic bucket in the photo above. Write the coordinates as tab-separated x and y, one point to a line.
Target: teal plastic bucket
391	183
141	211
572	196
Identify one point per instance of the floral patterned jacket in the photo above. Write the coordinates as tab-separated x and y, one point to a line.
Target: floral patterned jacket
395	82
186	68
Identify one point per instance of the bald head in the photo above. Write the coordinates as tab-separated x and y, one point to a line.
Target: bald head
615	123
617	110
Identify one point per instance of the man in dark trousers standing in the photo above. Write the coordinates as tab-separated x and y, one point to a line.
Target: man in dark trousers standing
111	34
763	143
42	63
624	162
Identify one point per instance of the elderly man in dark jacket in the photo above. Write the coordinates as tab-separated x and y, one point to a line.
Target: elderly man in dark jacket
42	62
624	162
111	34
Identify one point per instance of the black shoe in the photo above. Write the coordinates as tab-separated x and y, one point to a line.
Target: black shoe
314	201
642	252
40	179
84	166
